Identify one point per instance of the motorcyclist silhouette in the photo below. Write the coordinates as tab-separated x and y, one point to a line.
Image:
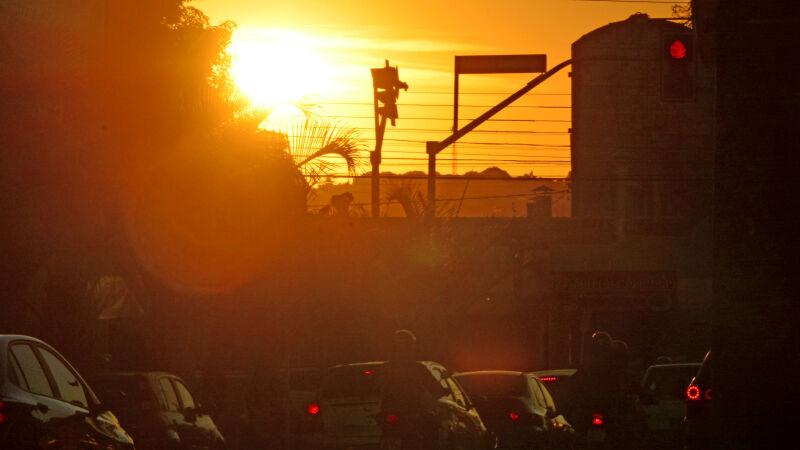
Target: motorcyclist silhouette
409	407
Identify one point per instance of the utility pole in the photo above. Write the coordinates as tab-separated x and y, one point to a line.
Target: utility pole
386	87
484	64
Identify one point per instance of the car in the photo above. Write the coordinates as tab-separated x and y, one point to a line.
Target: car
364	405
43	399
301	390
261	408
591	427
697	423
558	384
158	410
662	396
517	408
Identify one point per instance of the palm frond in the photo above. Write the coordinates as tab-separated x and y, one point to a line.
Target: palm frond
312	140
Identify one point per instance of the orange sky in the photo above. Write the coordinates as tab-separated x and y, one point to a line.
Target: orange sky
347	37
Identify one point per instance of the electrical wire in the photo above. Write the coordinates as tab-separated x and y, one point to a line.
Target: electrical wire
445	118
450	105
434	130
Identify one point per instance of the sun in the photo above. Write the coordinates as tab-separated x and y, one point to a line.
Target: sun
275	67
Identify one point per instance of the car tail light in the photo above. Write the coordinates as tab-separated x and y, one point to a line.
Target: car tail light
513	415
707	395
2	417
693	393
313	409
597	420
392	418
548	378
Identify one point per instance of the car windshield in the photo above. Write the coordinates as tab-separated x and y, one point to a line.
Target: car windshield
558	387
668	382
494	385
351	381
123	392
304	380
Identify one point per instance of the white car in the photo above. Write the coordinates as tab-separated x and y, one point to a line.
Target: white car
358	405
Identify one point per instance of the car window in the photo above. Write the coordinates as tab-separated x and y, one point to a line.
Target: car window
668	382
304	380
352	381
136	393
494	384
183	393
558	386
168	392
32	370
15	373
538	397
69	386
548	400
438	375
458	395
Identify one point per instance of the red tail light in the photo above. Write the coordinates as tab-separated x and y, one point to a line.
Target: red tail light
2	417
548	378
693	393
597	420
707	395
392	418
313	409
513	415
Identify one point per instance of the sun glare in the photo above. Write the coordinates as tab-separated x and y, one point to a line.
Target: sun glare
276	67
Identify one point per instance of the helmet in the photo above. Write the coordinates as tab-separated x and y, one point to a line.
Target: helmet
601	338
404	343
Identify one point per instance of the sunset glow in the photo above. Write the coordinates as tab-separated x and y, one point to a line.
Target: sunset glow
275	67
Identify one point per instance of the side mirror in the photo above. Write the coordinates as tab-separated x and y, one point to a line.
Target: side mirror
191	414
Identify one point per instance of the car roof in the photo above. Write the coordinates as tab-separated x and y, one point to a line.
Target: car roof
555	373
6	338
490	372
380	363
655	367
146	374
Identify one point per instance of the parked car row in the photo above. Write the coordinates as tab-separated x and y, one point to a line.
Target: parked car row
45	403
422	405
673	401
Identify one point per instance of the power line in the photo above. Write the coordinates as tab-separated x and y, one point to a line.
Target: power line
434	130
421	141
460	154
411	92
450	105
411	158
447	118
522	144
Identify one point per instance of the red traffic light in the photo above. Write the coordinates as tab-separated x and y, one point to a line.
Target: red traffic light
677	50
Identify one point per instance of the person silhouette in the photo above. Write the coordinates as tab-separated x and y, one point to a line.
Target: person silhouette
410	392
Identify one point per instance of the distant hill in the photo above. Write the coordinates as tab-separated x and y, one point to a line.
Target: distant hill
489	193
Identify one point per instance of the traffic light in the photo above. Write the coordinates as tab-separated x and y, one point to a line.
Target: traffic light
386	87
678	66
